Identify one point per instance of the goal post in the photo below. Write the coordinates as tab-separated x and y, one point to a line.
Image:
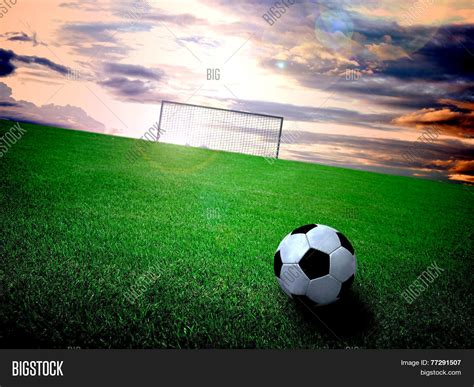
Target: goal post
220	129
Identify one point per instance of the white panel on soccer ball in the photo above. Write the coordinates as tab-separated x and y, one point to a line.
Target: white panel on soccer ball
283	241
329	227
324	239
293	278
323	290
342	264
294	248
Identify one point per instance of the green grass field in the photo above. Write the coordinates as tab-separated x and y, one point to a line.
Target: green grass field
193	232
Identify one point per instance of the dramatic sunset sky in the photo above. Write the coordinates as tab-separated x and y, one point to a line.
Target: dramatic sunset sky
358	81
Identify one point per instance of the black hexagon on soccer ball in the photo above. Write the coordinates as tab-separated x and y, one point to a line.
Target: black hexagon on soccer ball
277	264
304	229
315	264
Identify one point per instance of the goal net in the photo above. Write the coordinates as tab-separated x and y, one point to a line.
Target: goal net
220	129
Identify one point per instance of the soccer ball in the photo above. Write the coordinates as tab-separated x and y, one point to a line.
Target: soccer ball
317	262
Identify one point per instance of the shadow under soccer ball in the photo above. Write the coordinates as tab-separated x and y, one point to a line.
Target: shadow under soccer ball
348	317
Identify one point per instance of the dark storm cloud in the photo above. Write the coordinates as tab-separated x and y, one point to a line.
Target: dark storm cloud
448	56
371	30
44	62
7	104
440	69
404	67
412	81
8	56
6	67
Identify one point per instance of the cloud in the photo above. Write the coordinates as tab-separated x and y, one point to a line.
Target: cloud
201	41
96	31
459	170
462	178
420	75
466	105
127	87
386	51
93	50
136	90
71	5
8	104
134	83
403	67
134	71
456	166
62	116
451	157
87	5
100	40
8	59
178	19
84	5
414	53
23	37
316	114
459	123
6	67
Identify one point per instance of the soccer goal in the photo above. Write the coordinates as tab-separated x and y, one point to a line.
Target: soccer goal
220	129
